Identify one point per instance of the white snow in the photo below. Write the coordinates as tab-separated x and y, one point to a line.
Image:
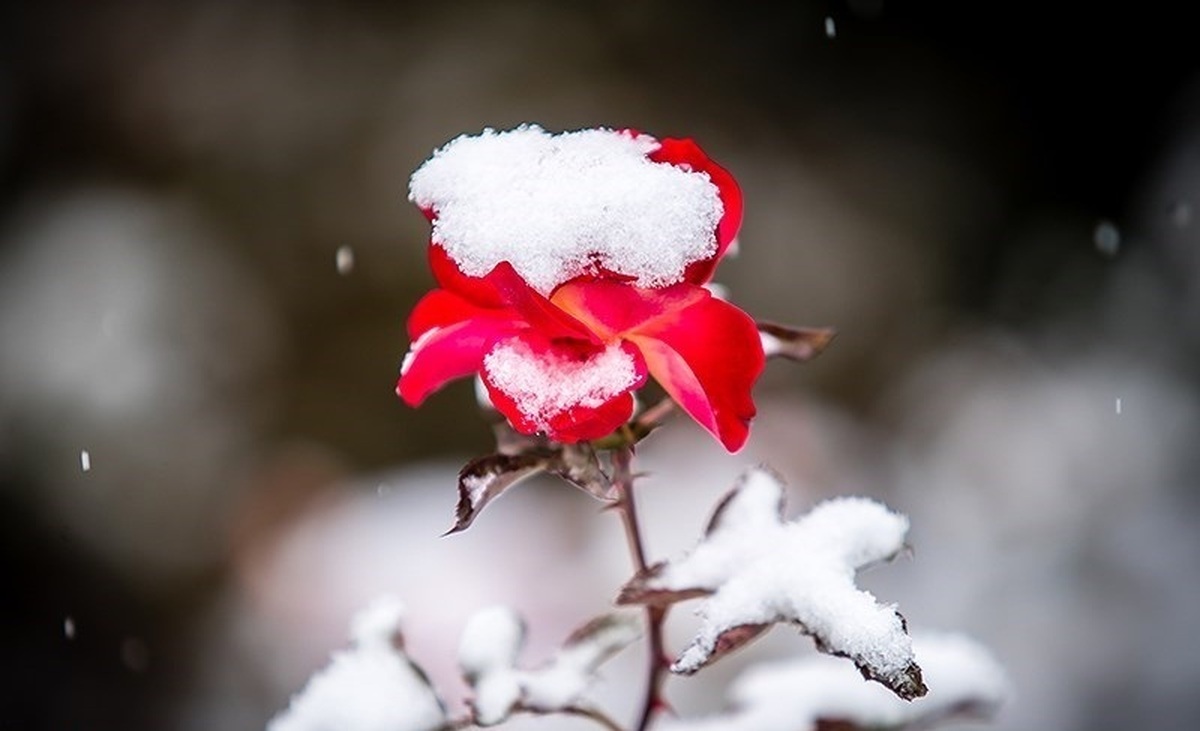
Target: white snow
964	679
370	687
378	623
562	682
1107	238
488	652
761	570
477	486
544	385
491	640
556	206
771	345
344	258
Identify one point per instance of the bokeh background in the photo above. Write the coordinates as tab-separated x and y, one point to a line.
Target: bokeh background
207	258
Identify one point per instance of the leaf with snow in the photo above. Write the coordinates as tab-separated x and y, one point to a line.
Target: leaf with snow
372	686
488	653
815	693
794	343
755	570
484	478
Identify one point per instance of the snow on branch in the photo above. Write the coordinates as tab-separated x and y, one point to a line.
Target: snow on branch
755	570
372	686
817	692
488	653
794	343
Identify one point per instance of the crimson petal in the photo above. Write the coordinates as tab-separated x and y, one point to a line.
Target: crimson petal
613	308
477	289
707	358
449	338
441	308
545	316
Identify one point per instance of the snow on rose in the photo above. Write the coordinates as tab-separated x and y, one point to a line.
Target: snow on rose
572	268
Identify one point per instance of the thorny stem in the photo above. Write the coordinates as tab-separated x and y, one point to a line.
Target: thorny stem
623	481
654	416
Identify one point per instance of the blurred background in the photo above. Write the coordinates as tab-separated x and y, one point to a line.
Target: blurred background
207	259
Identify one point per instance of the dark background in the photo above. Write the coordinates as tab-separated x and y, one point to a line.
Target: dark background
974	148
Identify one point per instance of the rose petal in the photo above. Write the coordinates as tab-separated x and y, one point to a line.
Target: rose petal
707	358
447	274
685	152
442	308
444	353
613	308
545	316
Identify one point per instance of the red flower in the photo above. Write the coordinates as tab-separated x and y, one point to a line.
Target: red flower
566	362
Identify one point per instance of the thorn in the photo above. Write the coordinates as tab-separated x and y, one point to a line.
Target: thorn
453	529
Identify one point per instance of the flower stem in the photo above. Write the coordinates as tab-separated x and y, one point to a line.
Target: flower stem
623	477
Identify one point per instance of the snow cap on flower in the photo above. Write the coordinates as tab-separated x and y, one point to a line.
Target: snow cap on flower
559	206
572	269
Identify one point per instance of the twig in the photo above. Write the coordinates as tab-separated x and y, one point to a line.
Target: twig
458	724
598	716
623	477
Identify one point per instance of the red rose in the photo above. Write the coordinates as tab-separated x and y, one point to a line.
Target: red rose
571	267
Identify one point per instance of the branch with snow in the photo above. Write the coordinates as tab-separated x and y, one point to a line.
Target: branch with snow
817	692
794	343
755	570
372	686
488	653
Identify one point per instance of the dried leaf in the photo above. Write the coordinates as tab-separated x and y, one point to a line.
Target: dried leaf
794	343
756	570
483	479
821	694
579	465
646	588
601	638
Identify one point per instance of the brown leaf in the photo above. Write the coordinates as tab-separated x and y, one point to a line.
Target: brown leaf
794	343
728	641
484	478
579	465
603	636
641	590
